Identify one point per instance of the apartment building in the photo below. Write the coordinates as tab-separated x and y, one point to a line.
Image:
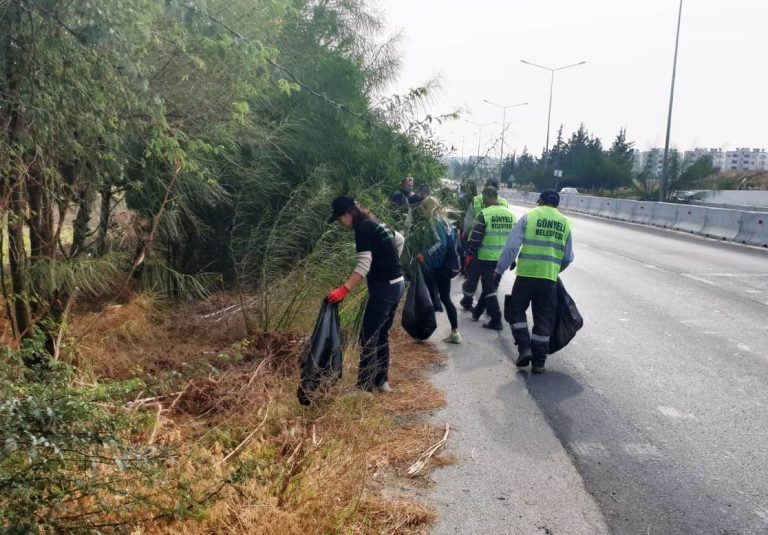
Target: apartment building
746	160
718	157
741	159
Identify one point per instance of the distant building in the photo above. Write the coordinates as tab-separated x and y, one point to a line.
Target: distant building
717	156
732	160
746	160
650	160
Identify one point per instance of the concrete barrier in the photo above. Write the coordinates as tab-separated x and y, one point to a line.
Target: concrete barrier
607	208
722	224
644	212
753	229
580	204
690	218
513	196
625	210
664	215
566	201
745	227
593	205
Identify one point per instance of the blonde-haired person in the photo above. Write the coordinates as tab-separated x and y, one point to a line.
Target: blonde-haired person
437	253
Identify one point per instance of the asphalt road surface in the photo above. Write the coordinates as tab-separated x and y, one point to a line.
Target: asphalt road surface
661	401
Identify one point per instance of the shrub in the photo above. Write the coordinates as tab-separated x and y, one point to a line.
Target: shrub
66	461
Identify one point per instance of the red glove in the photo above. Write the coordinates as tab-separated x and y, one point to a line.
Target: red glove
420	258
337	296
468	261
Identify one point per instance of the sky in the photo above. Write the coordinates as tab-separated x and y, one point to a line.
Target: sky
474	47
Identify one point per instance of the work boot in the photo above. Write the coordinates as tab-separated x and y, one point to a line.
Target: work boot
384	387
537	367
476	315
466	303
494	325
453	338
524	357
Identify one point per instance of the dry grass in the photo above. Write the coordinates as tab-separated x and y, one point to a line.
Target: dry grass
227	402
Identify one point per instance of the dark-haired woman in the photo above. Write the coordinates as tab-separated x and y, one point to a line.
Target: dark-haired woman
378	261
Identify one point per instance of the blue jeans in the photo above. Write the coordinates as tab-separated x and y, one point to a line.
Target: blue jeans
383	299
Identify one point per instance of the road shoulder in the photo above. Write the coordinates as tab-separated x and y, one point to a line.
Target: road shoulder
512	474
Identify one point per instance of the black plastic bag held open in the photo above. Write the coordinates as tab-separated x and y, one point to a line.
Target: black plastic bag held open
418	312
567	321
322	361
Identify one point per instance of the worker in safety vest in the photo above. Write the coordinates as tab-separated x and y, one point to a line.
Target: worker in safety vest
542	243
494	224
477	205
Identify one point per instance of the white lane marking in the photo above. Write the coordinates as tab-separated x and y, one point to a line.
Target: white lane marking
733	274
639	449
589	449
754	291
672	412
699	279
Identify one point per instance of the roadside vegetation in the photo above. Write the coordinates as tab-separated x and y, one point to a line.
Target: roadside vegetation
590	166
165	175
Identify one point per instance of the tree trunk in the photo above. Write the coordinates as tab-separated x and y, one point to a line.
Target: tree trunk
106	203
82	221
17	257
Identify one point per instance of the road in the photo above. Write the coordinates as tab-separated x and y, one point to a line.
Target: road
661	402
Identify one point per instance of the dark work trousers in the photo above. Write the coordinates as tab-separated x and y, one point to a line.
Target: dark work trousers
379	314
542	295
441	279
469	286
482	271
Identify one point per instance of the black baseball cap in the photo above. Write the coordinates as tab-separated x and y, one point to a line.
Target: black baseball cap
550	197
340	206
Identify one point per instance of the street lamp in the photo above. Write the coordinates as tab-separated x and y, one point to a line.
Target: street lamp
479	135
503	127
551	86
665	164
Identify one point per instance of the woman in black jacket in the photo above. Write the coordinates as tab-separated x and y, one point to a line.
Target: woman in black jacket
378	261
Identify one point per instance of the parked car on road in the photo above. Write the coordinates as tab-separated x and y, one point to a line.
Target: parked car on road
570	191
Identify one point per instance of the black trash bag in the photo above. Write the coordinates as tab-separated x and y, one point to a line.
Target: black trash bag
568	320
418	312
322	361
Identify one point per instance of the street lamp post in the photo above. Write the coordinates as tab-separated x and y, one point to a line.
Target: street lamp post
551	87
479	135
665	163
503	127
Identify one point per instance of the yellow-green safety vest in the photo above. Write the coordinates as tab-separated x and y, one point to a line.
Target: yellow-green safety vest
477	205
543	249
499	222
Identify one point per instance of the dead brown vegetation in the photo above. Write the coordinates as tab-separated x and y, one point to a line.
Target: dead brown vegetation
226	400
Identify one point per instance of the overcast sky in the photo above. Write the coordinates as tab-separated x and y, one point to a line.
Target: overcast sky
475	47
